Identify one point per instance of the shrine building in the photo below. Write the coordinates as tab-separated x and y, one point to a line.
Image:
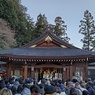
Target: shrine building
46	57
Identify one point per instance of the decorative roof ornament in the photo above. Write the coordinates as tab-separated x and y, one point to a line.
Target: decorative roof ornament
48	39
33	46
63	46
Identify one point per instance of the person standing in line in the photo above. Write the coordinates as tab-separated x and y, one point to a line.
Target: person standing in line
5	91
35	90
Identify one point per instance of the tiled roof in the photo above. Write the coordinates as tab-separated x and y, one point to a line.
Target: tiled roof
46	51
69	51
93	53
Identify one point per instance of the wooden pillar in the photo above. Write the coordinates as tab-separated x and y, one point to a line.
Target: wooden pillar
9	70
71	71
64	73
85	74
32	72
67	73
25	71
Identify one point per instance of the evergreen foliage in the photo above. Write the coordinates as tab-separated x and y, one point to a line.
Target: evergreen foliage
87	28
41	25
15	14
60	29
25	29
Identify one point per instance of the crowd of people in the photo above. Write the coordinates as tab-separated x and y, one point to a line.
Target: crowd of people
29	86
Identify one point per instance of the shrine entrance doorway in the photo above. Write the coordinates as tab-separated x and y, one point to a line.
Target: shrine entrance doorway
51	73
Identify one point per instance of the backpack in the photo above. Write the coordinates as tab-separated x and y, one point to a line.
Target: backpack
92	91
84	92
73	91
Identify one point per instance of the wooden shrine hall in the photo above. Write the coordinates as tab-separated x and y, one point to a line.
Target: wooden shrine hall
46	57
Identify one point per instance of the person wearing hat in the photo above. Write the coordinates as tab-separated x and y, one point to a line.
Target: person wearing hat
3	89
50	90
2	84
42	91
35	90
77	87
90	90
26	90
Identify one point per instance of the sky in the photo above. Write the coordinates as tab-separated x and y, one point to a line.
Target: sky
71	11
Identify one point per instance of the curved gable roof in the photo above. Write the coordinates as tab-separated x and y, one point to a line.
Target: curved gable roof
49	33
26	51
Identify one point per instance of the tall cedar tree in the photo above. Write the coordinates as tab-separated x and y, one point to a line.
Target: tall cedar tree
87	28
41	25
15	14
60	29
